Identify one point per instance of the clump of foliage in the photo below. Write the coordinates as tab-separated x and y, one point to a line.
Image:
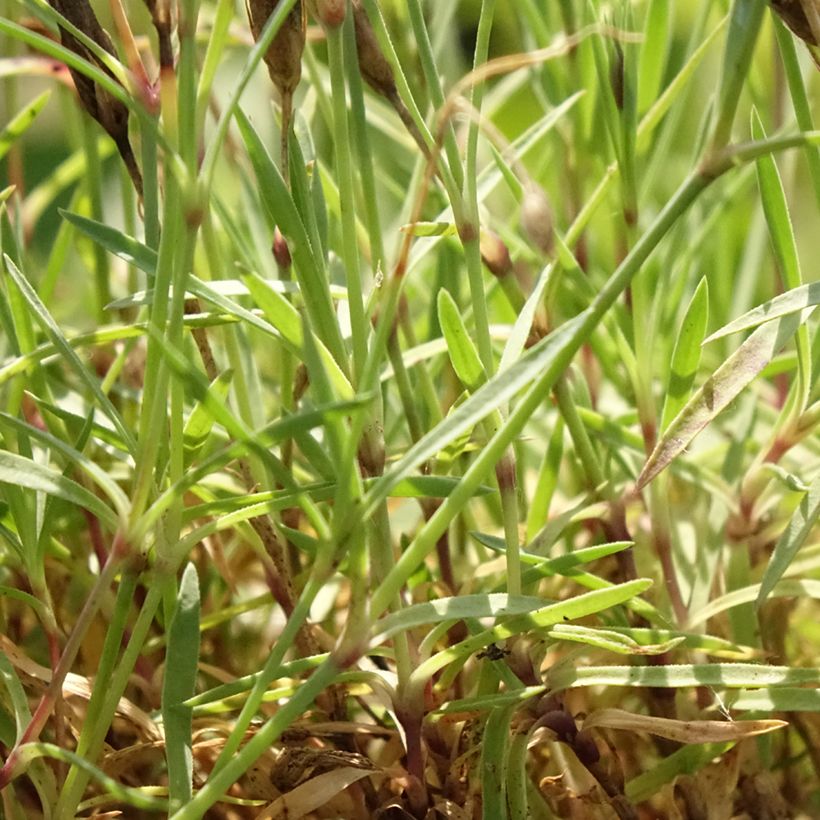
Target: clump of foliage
425	427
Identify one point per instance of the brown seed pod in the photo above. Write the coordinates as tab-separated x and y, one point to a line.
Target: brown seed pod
284	56
109	112
803	18
536	218
373	65
794	15
495	254
378	73
561	723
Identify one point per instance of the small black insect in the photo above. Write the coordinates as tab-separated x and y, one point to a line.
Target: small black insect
493	653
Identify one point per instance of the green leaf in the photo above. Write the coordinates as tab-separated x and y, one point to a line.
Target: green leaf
654	47
579	606
145	259
125	247
460	347
309	269
498	390
20	122
686	356
82	462
135	798
483	703
16	694
782	589
286	319
610	640
23	472
687	760
674	676
200	422
779	222
791	301
495	753
52	329
781	699
453	609
719	390
178	685
800	526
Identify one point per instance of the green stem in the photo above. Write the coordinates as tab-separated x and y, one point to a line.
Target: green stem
431	75
344	169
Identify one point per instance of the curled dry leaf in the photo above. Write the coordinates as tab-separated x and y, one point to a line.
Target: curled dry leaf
681	731
313	793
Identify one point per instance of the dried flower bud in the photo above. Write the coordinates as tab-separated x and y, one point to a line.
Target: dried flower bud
794	15
281	252
561	723
375	69
585	748
494	254
536	218
330	13
109	112
284	56
301	382
803	18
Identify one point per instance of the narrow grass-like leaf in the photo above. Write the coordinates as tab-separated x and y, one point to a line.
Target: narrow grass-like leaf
501	388
135	798
806	588
178	685
82	462
285	318
718	391
258	441
609	640
23	472
791	301
454	609
127	248
541	619
800	526
681	731
464	707
20	122
145	258
495	748
779	222
16	694
46	321
200	422
728	675
653	52
686	356
687	760
780	699
463	353
277	200
422	486
744	24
